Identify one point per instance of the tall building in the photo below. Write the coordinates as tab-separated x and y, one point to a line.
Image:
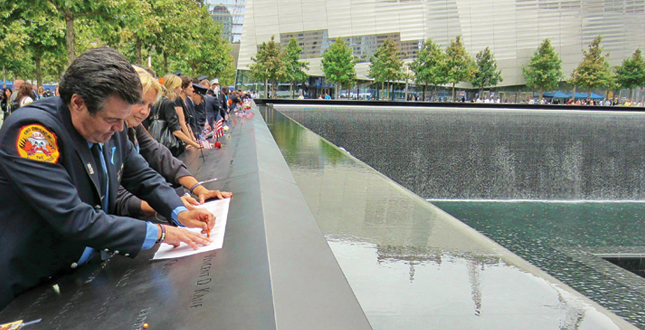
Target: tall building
513	29
230	14
222	15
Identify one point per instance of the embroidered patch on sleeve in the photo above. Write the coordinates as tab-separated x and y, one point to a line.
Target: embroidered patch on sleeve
37	143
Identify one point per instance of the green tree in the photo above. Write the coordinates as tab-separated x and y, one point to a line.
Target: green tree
386	65
139	27
544	70
594	70
338	64
46	35
631	73
13	57
294	68
487	74
176	30
102	11
268	64
429	67
209	53
461	67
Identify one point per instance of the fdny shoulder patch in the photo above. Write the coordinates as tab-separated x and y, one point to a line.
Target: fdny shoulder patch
37	143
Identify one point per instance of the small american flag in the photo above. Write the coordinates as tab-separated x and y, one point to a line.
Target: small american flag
250	115
205	144
219	128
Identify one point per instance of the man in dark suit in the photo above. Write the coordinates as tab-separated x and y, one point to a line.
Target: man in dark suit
61	162
199	106
212	107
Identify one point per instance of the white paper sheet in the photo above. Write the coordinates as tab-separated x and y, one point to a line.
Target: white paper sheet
220	209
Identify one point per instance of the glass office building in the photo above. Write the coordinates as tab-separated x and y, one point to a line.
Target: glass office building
512	29
230	15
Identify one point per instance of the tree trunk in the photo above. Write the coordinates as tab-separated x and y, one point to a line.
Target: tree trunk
70	38
291	89
573	95
266	88
453	92
39	76
435	98
589	94
165	62
4	77
139	58
406	89
425	88
541	92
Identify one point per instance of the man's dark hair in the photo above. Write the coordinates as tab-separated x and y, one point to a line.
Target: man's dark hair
98	74
185	81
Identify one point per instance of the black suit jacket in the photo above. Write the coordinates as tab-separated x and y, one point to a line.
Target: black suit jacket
212	105
160	159
50	211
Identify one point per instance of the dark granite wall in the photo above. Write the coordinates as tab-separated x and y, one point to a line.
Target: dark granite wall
442	153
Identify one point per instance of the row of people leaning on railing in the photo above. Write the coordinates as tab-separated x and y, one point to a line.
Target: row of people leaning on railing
189	111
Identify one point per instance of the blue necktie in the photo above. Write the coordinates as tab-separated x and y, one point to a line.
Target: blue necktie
99	159
97	152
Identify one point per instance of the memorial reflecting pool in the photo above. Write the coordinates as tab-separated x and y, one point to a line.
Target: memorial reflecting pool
412	266
568	240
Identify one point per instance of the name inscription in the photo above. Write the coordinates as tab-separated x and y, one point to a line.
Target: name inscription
203	279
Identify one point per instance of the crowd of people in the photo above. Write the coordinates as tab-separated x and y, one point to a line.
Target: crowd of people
189	107
79	172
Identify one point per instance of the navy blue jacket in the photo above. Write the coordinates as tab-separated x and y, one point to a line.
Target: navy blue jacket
50	211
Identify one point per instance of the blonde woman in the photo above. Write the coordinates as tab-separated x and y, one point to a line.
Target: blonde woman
166	110
158	157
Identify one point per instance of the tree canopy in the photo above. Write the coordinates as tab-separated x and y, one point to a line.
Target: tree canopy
487	74
178	35
338	64
544	70
594	70
294	69
461	67
386	64
631	73
268	63
429	66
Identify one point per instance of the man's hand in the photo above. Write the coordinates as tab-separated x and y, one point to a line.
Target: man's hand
197	218
204	194
189	202
176	235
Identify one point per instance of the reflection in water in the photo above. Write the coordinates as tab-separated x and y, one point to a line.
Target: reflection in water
561	239
410	265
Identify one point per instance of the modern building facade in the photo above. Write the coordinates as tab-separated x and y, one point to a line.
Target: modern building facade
230	15
513	29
